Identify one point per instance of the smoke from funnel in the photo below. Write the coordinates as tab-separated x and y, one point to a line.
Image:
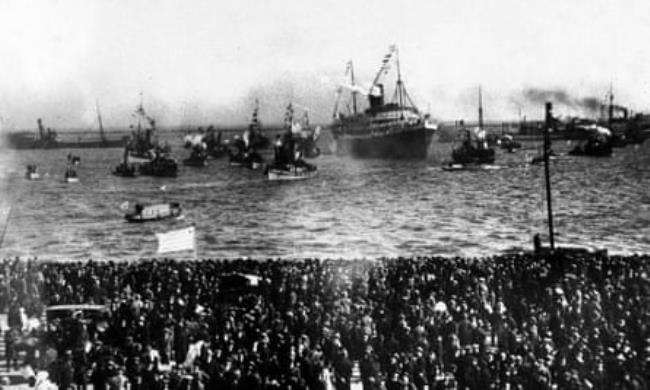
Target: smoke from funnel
560	97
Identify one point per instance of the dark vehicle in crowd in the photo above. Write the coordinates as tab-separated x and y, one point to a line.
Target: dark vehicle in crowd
70	327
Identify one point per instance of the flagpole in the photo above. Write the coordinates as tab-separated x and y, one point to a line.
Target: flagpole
547	149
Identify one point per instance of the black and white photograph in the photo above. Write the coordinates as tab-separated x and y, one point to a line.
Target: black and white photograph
324	194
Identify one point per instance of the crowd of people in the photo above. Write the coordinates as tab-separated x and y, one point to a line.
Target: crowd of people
515	321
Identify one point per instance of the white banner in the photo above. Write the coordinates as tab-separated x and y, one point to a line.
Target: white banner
176	240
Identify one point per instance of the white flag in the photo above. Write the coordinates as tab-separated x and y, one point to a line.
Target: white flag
176	240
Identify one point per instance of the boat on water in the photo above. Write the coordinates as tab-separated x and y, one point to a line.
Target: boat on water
304	135
507	142
142	144
49	139
473	148
598	144
32	173
257	140
288	164
291	172
214	147
247	158
125	169
198	157
162	165
70	176
395	130
470	167
156	212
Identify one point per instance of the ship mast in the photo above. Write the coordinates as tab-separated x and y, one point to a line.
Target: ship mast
480	109
400	92
610	110
254	120
99	119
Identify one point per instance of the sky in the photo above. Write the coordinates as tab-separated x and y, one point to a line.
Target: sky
205	62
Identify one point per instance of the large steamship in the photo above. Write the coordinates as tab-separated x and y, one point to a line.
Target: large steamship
396	129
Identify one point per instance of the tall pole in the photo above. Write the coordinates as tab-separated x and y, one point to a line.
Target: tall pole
480	109
611	107
99	119
547	149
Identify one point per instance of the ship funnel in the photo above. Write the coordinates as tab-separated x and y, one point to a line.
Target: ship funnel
376	96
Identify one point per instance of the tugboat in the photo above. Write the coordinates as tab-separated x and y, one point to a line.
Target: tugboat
256	138
396	130
70	175
508	143
246	155
141	144
49	139
157	212
288	163
162	165
599	143
32	173
125	169
214	146
304	135
474	149
198	157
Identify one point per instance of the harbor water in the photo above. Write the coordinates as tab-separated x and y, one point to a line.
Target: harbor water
351	209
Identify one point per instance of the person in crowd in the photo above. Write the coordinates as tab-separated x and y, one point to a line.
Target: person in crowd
516	320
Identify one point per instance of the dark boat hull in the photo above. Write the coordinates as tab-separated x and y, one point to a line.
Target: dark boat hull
27	141
392	144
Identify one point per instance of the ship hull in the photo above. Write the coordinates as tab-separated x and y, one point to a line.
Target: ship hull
28	141
405	144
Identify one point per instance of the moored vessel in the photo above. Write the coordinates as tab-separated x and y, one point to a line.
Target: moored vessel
32	173
49	138
473	148
304	135
162	165
288	164
599	143
198	157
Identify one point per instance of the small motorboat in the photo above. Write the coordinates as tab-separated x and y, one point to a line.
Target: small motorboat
32	173
507	142
70	176
599	143
290	172
470	167
156	212
198	157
